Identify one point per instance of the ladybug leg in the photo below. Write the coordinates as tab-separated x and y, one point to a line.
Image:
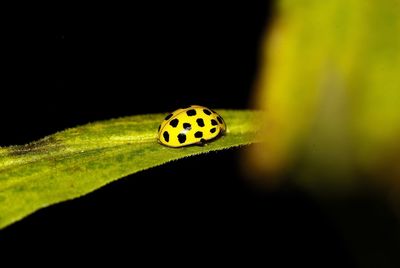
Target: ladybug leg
202	142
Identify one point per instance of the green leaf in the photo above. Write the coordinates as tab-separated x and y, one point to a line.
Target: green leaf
79	160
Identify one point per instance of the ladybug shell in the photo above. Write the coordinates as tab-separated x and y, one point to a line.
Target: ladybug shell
193	125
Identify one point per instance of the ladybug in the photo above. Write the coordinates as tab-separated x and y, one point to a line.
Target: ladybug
192	125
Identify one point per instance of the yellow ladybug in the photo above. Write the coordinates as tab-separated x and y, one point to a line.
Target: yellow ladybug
193	125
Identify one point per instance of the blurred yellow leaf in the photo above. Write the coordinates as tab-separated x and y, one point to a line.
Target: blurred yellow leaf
330	84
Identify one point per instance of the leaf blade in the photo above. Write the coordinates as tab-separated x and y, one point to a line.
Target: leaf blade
77	161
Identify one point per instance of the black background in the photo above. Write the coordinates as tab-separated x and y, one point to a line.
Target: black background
65	66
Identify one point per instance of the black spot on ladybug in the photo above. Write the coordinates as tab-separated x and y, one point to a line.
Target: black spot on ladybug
191	112
187	126
200	122
220	119
213	130
198	134
168	116
203	141
174	122
166	136
159	128
207	112
213	122
181	137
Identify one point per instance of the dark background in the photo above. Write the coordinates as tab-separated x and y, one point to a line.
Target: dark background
69	66
65	66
